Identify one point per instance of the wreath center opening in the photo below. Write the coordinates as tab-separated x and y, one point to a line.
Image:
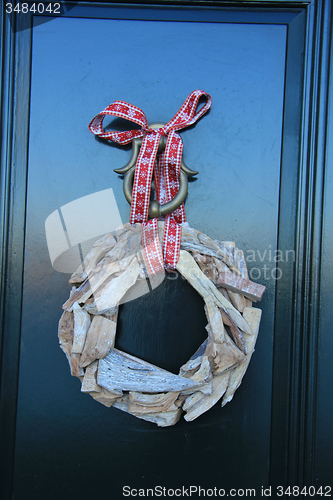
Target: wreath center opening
163	327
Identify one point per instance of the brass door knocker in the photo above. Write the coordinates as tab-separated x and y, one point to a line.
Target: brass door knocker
155	209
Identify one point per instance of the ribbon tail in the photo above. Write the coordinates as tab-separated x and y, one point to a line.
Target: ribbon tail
171	243
152	251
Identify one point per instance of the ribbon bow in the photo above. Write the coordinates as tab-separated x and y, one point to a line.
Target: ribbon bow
166	172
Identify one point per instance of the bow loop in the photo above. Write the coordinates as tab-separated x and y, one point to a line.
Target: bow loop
186	116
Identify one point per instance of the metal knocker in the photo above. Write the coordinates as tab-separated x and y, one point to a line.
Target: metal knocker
155	209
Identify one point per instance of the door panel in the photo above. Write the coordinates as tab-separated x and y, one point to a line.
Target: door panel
260	152
236	148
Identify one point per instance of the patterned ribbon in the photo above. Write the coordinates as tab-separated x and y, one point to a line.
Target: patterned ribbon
166	169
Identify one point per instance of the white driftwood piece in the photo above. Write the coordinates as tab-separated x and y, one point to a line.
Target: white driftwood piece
120	371
114	267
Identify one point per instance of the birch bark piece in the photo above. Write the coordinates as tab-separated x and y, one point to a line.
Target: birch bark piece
114	267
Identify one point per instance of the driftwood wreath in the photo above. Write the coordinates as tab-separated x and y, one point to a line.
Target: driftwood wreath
87	329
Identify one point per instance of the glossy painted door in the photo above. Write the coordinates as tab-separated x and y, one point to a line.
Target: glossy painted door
237	150
247	153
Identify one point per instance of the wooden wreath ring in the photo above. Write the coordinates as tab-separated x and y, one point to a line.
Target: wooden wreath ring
87	335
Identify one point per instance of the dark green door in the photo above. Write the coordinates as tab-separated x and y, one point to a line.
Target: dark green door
250	190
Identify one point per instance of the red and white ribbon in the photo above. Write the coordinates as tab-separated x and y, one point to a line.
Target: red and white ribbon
166	169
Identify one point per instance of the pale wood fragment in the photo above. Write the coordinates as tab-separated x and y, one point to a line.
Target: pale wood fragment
220	266
249	289
237	300
76	295
96	279
253	316
108	269
234	332
224	356
189	234
192	400
204	374
162	398
193	364
111	294
152	403
205	388
217	253
163	419
207	266
187	266
196	241
121	371
92	309
89	382
99	340
220	384
126	246
66	336
75	367
81	326
228	248
225	294
66	333
215	320
230	244
105	397
191	367
125	228
240	263
93	257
